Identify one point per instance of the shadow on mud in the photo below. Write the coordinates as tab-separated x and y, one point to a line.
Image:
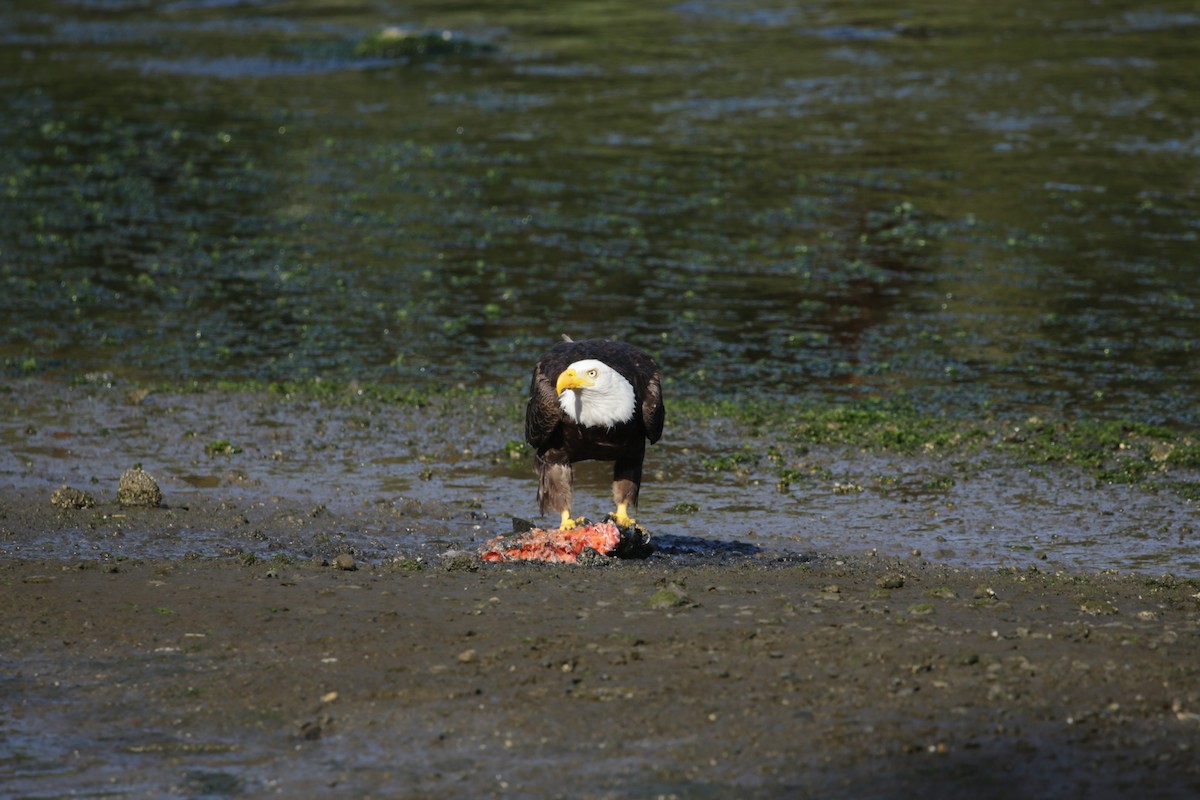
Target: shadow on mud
675	545
692	549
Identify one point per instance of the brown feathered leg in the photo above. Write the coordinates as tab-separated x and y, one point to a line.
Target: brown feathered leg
627	482
554	488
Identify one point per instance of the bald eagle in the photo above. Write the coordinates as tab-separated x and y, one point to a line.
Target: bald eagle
593	399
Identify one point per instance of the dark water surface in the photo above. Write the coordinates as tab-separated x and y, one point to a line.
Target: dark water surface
985	207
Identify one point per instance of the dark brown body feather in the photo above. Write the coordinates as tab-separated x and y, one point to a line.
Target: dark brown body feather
560	441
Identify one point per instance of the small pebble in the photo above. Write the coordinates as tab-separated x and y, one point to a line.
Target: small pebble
460	561
345	561
672	596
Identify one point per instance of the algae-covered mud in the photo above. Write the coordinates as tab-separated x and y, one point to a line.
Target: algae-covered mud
268	475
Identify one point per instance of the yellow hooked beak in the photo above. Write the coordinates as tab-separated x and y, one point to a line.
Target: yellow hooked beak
569	379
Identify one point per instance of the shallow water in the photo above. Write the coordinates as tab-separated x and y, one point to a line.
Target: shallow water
983	208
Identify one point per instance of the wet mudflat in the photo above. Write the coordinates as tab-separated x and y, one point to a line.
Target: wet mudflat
306	613
663	678
267	475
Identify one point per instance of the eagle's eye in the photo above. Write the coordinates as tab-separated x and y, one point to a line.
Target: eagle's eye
592	373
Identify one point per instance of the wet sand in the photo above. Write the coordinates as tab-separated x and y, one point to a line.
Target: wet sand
678	675
216	646
671	677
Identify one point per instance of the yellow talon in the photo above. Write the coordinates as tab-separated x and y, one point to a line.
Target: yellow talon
622	518
567	523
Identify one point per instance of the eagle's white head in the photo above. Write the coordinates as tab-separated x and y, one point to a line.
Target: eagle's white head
594	394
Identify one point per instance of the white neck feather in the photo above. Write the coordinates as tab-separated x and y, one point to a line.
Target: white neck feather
607	403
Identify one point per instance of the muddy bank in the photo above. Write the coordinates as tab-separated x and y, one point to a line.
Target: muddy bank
751	678
306	475
301	612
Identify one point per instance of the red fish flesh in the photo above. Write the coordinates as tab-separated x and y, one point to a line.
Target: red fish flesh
554	546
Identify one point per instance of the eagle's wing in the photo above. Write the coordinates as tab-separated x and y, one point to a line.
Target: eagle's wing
653	410
543	413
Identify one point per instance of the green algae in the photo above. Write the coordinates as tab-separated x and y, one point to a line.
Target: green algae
775	437
667	598
1185	454
1152	456
221	447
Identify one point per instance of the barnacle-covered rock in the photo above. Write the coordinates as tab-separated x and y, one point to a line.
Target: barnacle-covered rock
68	497
137	488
